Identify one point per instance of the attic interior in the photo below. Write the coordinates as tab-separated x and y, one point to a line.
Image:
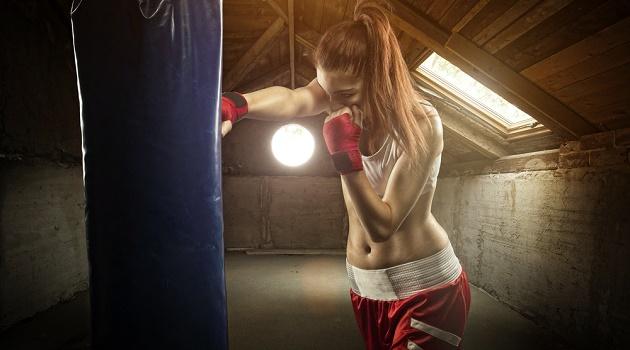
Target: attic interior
532	189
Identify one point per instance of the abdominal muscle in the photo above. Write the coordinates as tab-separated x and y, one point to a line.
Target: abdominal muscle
419	236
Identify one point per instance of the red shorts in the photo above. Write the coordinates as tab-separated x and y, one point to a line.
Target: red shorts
430	318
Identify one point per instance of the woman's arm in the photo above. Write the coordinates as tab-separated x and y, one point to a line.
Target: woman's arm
382	217
278	103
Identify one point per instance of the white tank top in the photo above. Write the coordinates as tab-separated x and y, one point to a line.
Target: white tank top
379	165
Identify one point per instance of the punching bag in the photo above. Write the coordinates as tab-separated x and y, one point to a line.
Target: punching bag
149	78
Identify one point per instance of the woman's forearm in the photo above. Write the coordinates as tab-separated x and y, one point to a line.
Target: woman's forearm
275	103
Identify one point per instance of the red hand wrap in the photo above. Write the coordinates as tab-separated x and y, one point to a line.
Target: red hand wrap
233	106
342	140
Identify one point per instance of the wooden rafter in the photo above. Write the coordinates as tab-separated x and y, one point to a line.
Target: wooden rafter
280	73
491	72
292	42
306	41
469	15
420	58
260	47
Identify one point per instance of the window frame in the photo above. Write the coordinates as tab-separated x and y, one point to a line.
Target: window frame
509	131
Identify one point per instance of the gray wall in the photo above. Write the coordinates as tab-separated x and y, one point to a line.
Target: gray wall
554	245
42	238
284	212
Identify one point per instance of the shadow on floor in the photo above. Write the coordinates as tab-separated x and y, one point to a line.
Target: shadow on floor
287	302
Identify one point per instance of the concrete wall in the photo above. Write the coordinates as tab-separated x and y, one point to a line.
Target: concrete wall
284	212
43	256
553	244
39	108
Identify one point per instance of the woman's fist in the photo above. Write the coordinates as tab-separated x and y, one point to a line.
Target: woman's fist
342	135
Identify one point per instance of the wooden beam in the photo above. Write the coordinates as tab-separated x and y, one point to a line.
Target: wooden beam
292	43
421	57
267	80
468	16
308	72
419	27
260	47
491	72
308	39
520	91
299	37
274	5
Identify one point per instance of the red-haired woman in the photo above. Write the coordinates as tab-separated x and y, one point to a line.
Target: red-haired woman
407	287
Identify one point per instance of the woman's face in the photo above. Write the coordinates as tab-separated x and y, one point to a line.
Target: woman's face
343	89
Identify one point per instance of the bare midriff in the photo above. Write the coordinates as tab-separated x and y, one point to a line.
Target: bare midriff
419	236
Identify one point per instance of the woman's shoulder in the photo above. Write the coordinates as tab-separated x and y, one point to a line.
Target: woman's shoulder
431	123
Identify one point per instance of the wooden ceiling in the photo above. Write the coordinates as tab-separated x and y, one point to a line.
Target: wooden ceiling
565	62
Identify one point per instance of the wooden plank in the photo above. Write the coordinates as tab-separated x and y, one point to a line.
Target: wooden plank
501	22
592	66
307	72
301	81
492	73
514	51
456	12
304	34
291	43
333	13
520	91
260	47
266	80
231	9
419	27
416	60
311	13
592	46
405	42
236	24
421	5
537	15
615	77
591	22
438	8
485	17
277	55
241	35
277	9
469	15
601	102
349	11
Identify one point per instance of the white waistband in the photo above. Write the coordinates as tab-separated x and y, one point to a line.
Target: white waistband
401	281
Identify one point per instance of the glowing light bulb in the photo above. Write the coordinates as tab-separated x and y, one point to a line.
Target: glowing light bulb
292	145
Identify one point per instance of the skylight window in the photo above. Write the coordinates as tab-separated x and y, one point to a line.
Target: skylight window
445	73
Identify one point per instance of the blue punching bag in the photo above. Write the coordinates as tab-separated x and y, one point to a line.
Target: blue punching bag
149	76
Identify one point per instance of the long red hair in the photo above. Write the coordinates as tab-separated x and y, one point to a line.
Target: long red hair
367	47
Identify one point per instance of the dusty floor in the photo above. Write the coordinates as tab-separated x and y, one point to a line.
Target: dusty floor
286	302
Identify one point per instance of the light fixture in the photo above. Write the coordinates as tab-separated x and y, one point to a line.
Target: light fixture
292	145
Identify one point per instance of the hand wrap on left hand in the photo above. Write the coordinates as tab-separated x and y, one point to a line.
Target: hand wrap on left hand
342	140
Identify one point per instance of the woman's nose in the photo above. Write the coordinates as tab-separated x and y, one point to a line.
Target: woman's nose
336	104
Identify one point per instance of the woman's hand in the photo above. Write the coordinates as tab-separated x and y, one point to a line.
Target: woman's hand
342	134
226	126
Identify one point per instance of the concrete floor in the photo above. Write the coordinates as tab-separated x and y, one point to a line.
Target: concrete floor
287	302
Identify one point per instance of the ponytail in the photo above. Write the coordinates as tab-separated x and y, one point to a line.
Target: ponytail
367	47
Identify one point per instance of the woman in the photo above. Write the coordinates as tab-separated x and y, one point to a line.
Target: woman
408	289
